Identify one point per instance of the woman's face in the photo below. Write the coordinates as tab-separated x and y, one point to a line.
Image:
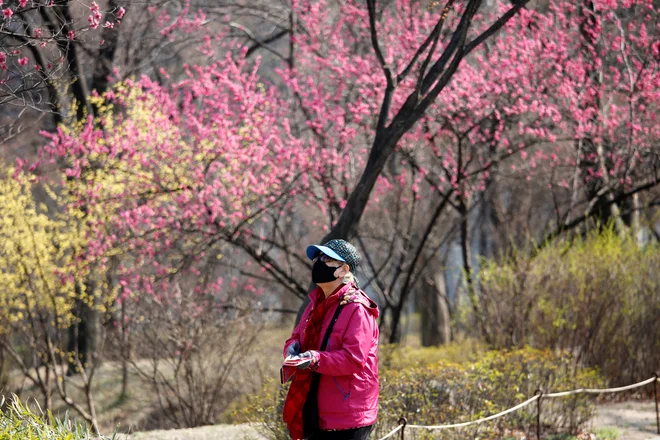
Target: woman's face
342	268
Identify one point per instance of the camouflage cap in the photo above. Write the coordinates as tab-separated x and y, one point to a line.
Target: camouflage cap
337	249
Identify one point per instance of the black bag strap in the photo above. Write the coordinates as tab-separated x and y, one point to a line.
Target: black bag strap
316	376
328	332
310	407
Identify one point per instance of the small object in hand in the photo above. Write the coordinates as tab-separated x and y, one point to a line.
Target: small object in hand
308	357
302	361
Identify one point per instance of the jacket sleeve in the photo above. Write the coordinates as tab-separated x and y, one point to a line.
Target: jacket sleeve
356	345
295	335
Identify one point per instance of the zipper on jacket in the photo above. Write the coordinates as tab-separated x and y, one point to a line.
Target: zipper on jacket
340	390
334	379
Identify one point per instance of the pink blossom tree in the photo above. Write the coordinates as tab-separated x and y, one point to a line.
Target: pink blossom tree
55	56
603	153
335	82
55	53
40	47
606	56
217	167
533	104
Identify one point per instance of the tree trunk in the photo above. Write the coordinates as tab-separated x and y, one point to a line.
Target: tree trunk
386	137
635	221
83	332
125	353
395	326
435	312
468	272
106	58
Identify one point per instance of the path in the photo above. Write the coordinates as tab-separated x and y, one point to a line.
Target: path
215	432
633	420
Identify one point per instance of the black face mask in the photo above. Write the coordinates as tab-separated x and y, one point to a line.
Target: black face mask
322	273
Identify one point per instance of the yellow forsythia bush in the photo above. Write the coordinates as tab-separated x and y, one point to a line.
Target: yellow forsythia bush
44	275
37	251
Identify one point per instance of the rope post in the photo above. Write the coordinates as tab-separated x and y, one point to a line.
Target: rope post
539	393
403	422
655	393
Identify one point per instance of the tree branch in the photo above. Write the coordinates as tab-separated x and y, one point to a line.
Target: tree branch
389	89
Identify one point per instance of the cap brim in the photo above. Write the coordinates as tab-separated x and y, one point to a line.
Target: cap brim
312	252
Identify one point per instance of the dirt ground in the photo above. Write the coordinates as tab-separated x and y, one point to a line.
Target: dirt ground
216	432
633	420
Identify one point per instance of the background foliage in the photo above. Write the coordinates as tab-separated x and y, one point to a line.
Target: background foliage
597	297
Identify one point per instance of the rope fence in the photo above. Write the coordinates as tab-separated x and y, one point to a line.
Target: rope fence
394	431
538	397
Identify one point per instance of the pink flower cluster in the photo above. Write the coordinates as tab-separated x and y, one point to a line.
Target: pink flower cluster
95	15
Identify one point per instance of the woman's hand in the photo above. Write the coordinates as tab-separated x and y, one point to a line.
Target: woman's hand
293	349
312	361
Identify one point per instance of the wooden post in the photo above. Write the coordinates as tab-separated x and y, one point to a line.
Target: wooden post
403	421
655	393
539	392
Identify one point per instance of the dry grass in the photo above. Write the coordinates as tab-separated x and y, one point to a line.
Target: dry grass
139	410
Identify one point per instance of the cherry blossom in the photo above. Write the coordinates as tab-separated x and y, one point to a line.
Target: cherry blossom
194	169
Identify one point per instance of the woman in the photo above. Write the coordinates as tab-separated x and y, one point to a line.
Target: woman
334	393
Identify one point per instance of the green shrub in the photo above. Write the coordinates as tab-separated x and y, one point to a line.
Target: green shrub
264	410
394	356
444	392
598	297
19	422
607	433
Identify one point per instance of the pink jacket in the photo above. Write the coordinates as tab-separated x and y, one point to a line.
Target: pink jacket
348	389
